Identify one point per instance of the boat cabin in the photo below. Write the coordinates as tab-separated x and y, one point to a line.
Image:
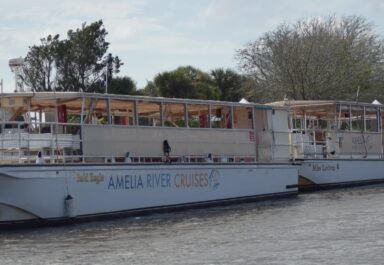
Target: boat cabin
335	129
72	127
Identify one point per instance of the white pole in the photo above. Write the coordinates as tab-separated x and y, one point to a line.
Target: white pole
16	90
106	81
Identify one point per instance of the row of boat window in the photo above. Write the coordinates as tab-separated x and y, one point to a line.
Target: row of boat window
345	118
143	113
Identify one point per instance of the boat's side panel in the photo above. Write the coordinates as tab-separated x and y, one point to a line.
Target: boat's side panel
137	188
35	195
105	189
331	173
99	141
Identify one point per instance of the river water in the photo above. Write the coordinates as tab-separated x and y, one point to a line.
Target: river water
329	227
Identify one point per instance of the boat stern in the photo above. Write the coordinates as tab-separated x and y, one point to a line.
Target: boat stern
30	194
12	214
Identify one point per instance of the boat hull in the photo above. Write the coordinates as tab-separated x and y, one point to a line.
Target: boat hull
52	193
315	174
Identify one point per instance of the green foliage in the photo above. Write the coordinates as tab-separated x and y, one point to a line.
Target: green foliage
189	82
186	82
78	63
122	85
193	123
230	84
73	118
177	123
151	90
320	58
39	65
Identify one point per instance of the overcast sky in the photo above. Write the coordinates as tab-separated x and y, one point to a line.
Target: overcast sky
151	36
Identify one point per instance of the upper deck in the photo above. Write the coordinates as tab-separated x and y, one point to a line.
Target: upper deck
335	129
92	128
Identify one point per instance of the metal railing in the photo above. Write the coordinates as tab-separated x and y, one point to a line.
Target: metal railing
62	143
21	142
306	145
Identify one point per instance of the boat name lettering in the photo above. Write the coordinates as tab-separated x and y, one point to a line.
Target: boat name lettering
160	180
182	180
90	177
189	180
127	182
323	167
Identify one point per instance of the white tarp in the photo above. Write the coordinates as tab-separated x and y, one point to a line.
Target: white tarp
244	101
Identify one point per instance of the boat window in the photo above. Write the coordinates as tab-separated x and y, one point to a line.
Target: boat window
198	116
322	124
96	111
122	112
296	123
5	115
312	122
343	114
381	120
73	117
221	117
149	113
261	119
357	118
371	119
344	122
173	114
243	118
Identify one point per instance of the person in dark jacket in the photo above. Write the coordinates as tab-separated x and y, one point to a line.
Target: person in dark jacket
166	150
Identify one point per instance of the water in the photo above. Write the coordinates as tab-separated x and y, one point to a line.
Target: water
332	227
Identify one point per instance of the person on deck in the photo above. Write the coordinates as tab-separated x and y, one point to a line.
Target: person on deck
167	151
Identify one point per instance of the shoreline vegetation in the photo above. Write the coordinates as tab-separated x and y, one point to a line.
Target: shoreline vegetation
315	58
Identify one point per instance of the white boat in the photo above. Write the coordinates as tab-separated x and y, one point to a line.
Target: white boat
339	143
72	156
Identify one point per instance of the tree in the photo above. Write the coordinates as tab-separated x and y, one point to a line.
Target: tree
78	63
230	84
186	82
39	68
81	59
151	90
320	58
122	85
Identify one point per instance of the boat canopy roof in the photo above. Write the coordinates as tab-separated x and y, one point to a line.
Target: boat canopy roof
319	107
74	100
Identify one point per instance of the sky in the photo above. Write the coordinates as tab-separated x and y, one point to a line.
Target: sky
153	36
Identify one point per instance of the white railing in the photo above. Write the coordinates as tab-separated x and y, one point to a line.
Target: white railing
305	145
62	143
20	142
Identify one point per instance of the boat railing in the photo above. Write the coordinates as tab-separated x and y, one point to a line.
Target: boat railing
281	147
171	159
22	142
321	144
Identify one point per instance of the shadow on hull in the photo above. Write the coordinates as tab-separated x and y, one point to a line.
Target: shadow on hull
306	185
